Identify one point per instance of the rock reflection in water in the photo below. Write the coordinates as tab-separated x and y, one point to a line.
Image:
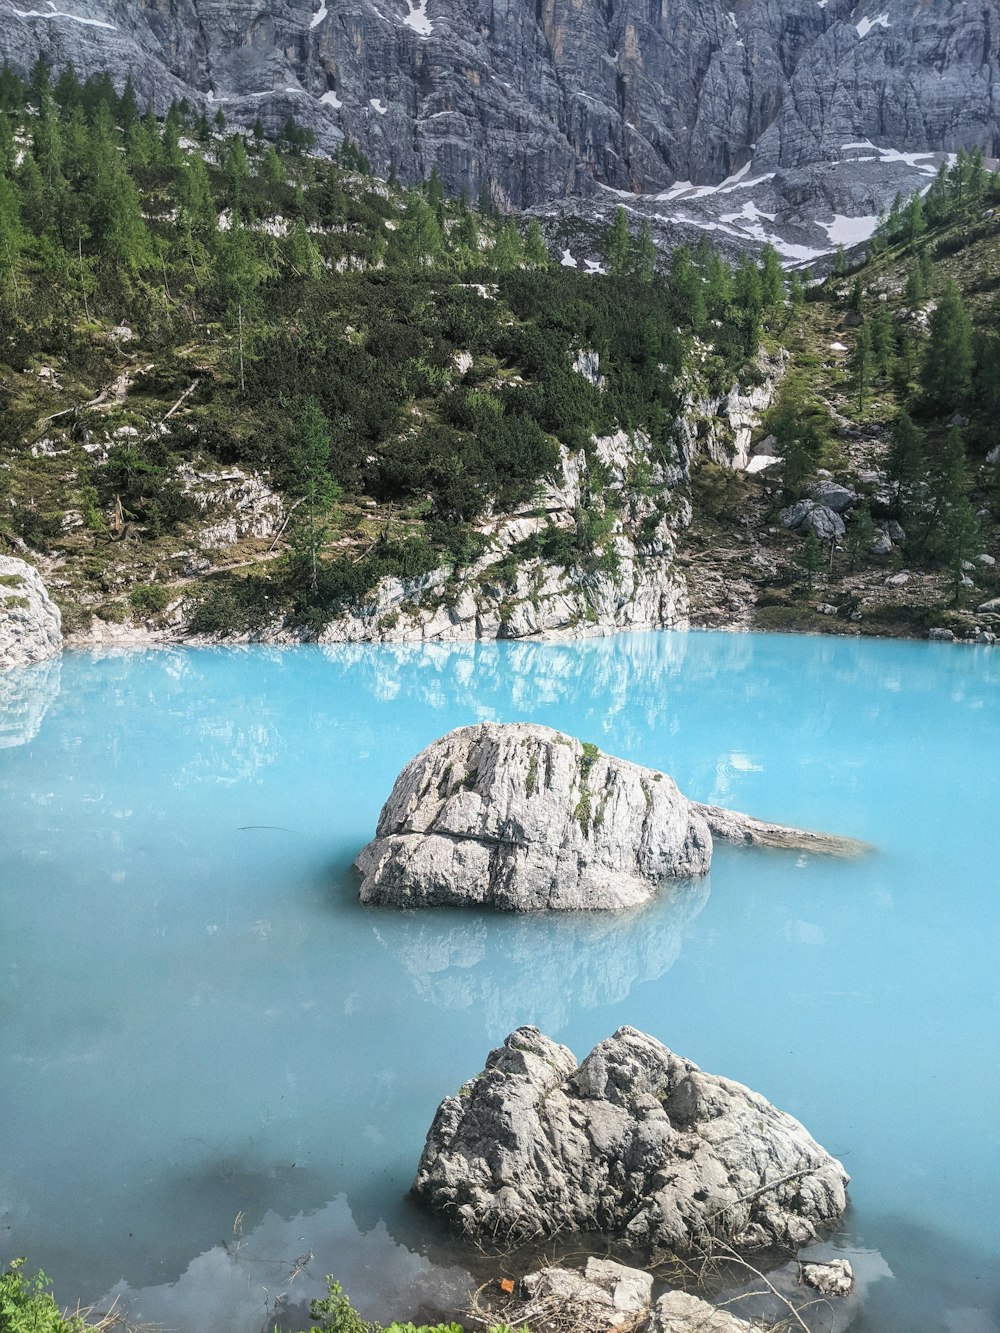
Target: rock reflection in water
26	695
539	968
265	1276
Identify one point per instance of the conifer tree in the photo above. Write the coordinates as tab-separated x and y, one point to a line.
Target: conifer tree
303	253
861	365
914	222
946	375
536	252
959	541
687	289
860	535
8	147
11	238
914	292
618	246
508	253
645	253
772	278
197	204
272	173
811	558
905	464
418	242
316	491
883	334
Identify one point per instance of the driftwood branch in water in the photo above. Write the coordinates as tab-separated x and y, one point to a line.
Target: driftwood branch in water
731	826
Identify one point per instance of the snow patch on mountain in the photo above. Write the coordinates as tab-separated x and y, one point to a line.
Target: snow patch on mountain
417	18
866	24
53	13
849	231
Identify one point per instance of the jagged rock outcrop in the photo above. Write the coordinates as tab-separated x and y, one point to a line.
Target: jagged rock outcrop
30	623
523	818
635	1144
543	100
509	593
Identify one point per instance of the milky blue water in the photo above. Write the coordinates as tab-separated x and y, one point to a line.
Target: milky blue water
214	1062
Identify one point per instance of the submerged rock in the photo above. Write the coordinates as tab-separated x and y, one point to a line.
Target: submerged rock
521	818
30	623
636	1144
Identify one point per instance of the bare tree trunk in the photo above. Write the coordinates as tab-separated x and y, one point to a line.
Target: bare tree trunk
243	383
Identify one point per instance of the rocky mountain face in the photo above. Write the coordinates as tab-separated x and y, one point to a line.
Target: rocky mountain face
833	105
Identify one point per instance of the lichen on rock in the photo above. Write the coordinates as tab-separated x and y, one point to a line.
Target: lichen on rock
636	1144
522	818
30	623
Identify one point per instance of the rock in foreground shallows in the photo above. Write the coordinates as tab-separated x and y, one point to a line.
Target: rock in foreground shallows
520	817
30	624
635	1144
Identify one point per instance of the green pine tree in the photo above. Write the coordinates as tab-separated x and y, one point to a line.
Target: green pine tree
618	246
946	375
861	365
906	464
536	252
645	253
315	490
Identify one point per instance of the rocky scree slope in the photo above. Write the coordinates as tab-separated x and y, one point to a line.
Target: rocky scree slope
636	1143
542	100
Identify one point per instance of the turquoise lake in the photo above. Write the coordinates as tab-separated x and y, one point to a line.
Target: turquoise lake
214	1063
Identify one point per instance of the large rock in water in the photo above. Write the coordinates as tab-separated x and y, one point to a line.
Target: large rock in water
30	623
520	817
636	1144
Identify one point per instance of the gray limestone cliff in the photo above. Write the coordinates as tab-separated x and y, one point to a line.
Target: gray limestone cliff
511	592
30	624
522	818
543	99
635	1144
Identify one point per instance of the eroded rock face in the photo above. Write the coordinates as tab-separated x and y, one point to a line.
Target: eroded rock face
636	1144
30	623
520	817
541	100
638	586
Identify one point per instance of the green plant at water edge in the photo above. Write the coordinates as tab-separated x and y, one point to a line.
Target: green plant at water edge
27	1304
334	1313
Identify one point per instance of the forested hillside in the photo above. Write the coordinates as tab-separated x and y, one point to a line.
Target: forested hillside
242	384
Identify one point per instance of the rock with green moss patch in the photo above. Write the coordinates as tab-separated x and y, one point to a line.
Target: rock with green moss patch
30	624
521	818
